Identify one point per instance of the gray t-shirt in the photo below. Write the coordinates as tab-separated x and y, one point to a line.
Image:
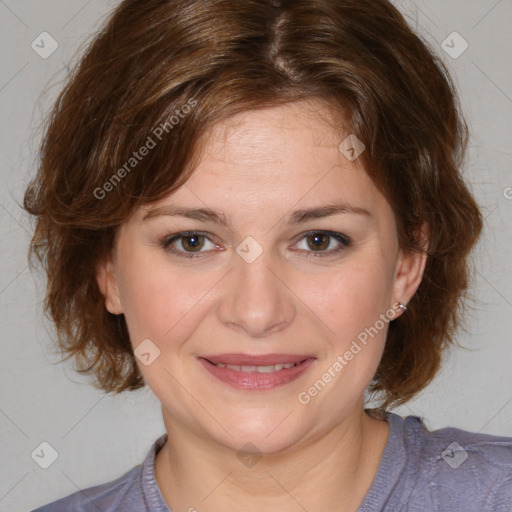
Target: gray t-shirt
448	470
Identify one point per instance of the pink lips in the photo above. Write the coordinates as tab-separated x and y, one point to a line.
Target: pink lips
252	379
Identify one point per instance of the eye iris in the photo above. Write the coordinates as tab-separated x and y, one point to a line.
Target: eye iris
195	242
318	237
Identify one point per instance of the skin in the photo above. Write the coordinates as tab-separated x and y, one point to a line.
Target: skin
257	168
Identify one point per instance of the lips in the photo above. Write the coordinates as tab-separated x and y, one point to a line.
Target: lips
262	372
252	368
261	360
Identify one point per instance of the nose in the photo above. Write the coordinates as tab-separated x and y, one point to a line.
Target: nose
256	299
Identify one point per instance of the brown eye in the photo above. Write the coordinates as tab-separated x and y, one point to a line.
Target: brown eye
192	243
318	241
187	244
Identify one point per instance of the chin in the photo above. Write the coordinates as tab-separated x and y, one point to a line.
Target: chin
262	432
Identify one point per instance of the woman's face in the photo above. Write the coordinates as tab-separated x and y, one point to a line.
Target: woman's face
267	275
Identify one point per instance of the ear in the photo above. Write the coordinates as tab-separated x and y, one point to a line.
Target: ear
107	283
410	268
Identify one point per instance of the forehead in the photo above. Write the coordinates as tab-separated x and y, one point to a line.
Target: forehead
274	160
289	132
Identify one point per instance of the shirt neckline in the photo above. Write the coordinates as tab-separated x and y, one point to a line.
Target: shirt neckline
375	499
153	497
393	460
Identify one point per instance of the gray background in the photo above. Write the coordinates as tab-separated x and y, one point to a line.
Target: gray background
99	437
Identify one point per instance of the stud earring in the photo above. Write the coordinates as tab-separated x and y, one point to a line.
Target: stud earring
402	306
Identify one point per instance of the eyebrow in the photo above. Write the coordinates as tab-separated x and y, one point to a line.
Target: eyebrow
296	217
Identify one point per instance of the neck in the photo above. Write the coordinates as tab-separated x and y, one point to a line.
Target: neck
331	473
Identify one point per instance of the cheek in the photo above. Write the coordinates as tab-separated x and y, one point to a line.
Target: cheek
161	303
352	306
354	300
353	297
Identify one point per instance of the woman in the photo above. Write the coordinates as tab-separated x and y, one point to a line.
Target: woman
256	209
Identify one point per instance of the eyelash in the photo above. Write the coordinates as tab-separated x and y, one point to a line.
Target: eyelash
167	242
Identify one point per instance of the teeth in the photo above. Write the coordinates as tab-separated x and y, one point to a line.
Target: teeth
265	369
260	369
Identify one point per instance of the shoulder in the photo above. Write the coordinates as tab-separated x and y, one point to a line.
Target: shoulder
124	492
131	492
458	469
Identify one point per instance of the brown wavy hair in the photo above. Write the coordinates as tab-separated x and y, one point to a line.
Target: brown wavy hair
154	57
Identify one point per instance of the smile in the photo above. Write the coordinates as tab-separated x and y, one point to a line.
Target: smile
257	373
260	369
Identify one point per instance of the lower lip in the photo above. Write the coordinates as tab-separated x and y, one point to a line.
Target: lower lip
255	380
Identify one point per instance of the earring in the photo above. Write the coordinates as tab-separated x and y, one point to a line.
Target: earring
402	306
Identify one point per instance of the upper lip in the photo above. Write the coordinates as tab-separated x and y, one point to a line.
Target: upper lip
258	360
